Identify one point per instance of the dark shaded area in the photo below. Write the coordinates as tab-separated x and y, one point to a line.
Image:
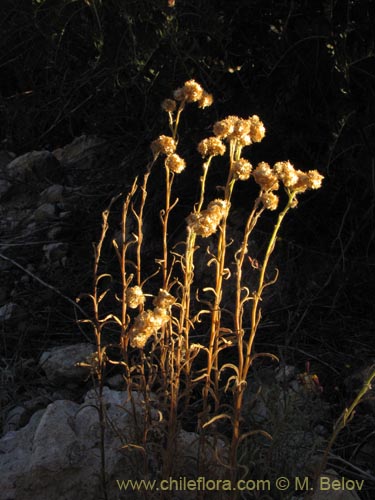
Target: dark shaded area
306	68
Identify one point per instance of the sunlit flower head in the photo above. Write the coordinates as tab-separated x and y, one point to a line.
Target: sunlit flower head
257	129
190	92
224	128
266	177
175	163
164	145
241	169
212	146
206	100
206	222
270	200
134	296
286	173
315	179
147	324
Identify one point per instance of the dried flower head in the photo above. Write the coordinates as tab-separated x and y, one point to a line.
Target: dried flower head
241	128
242	169
286	173
190	92
315	179
164	299
164	145
257	129
168	105
135	296
146	324
270	200
302	183
206	100
297	180
266	177
224	128
206	222
212	146
175	163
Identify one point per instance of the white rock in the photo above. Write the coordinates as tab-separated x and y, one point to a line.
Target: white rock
59	363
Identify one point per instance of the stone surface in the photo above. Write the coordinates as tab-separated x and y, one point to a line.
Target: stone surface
11	312
81	153
36	165
57	455
59	363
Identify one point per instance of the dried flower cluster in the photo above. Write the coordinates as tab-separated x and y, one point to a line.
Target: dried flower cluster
148	323
164	145
244	131
270	200
266	177
296	180
242	169
205	223
175	163
193	92
212	146
134	297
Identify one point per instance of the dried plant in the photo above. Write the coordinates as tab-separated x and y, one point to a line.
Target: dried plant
158	353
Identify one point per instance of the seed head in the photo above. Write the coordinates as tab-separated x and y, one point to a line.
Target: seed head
242	169
190	92
269	200
206	222
241	128
257	129
206	100
164	145
266	177
134	297
224	128
212	146
175	163
315	179
146	324
168	105
286	173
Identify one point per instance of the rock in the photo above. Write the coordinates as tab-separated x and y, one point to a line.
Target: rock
14	418
36	165
45	212
57	455
81	153
52	194
115	382
55	252
284	373
4	188
11	312
59	363
15	452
